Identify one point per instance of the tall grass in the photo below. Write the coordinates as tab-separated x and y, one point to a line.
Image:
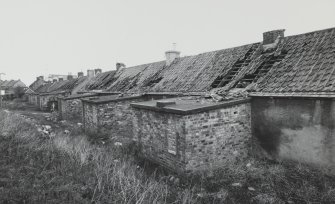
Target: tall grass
69	169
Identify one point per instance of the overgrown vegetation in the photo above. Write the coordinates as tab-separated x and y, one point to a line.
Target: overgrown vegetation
67	168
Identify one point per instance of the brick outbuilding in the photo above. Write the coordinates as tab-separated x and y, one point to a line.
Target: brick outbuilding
193	134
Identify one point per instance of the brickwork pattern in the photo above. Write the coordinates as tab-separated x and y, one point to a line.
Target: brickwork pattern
204	141
155	132
215	137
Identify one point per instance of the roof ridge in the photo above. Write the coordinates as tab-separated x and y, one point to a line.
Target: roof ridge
311	32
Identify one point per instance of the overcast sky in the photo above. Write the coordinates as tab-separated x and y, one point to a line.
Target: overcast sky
41	37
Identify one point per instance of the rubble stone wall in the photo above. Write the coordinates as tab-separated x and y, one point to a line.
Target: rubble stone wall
114	118
32	99
45	101
70	109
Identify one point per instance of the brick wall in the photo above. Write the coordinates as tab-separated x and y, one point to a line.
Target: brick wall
161	137
216	137
204	141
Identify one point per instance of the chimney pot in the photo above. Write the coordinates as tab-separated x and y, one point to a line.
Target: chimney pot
171	55
271	36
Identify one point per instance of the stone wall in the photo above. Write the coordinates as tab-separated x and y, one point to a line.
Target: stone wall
196	142
298	129
32	99
90	117
116	119
45	101
112	118
70	109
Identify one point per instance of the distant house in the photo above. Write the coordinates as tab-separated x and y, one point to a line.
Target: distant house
12	88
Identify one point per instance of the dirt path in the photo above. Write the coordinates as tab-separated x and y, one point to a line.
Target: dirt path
45	122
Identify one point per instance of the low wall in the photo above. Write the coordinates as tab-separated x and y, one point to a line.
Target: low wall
299	129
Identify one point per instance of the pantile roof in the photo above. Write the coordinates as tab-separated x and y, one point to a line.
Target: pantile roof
309	65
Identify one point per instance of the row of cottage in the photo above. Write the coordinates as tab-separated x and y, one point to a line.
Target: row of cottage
197	113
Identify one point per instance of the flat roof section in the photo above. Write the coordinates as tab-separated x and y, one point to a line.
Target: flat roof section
186	105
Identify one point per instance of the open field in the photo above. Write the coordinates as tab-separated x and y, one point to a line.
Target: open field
40	162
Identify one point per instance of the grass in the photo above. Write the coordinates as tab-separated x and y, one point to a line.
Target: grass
70	169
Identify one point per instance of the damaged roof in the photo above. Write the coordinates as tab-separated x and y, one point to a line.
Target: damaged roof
299	63
186	74
61	86
309	65
302	63
100	81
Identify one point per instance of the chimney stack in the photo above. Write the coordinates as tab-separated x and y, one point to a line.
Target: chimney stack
60	79
80	74
69	77
171	55
119	66
40	78
90	73
97	71
271	36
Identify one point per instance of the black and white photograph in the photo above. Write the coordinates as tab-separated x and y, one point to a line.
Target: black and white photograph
167	102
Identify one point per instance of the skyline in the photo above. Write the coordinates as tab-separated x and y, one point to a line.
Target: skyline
45	37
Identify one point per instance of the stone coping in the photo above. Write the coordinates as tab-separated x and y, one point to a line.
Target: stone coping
184	106
295	94
116	98
112	98
79	96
